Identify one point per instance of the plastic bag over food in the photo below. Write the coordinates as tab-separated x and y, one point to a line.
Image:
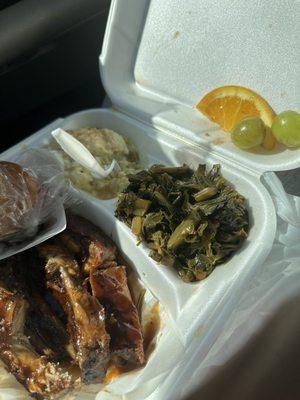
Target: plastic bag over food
33	193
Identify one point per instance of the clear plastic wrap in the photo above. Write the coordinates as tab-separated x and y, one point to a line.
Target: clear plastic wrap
34	192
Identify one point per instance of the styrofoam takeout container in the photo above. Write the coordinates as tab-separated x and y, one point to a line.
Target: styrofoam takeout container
158	59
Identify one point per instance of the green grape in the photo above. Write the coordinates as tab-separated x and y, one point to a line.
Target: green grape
286	128
248	133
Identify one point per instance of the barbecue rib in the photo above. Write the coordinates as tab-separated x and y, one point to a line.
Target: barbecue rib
110	287
65	305
43	379
88	243
46	332
86	324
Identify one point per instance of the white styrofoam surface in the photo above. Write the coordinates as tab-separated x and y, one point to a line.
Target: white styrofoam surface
190	47
160	57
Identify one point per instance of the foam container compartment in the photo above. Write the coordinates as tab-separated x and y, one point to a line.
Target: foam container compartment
155	65
189	304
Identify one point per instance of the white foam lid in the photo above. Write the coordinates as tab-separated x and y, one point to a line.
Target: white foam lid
160	57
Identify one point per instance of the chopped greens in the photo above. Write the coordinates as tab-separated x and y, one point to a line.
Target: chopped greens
191	220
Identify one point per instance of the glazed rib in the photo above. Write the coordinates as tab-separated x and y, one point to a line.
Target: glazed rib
43	379
110	287
85	315
46	332
65	305
89	243
109	284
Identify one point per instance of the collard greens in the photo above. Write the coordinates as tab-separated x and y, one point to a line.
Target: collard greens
191	220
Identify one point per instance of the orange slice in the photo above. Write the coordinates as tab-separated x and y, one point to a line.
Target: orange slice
227	105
